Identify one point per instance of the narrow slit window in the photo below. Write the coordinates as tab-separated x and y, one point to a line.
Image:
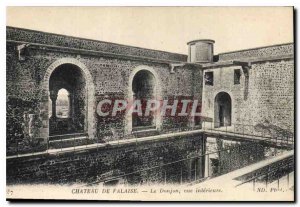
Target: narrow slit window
237	76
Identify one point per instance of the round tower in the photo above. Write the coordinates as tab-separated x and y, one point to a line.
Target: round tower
201	51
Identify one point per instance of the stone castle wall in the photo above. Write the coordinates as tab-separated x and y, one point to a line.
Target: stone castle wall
109	77
266	104
94	165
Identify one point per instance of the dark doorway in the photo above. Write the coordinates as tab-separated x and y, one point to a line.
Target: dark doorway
222	110
143	88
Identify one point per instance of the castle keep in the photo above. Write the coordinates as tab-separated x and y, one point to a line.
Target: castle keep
249	91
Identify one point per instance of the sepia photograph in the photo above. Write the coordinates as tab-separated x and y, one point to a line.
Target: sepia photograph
150	103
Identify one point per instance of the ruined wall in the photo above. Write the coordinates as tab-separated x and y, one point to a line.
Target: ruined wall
94	165
274	82
223	82
268	103
23	114
110	77
112	81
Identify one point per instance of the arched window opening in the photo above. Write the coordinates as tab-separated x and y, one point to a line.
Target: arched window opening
67	91
222	110
63	104
143	88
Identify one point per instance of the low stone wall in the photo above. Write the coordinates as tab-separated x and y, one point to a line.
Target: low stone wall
92	165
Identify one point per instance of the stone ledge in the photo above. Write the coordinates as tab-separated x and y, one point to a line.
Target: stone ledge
119	143
107	145
242	62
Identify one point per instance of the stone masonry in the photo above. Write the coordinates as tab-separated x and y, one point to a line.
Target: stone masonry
248	91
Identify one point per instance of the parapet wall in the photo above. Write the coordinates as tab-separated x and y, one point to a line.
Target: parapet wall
261	52
39	37
95	165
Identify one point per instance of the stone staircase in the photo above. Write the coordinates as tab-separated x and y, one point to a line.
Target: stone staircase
68	140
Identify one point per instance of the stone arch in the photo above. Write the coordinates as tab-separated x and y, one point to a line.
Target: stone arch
222	109
90	98
158	95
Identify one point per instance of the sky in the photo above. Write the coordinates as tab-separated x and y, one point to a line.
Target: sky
163	28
